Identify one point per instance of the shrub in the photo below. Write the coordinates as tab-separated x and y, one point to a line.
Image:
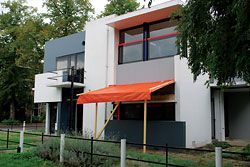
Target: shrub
76	152
217	143
11	122
49	150
38	119
246	149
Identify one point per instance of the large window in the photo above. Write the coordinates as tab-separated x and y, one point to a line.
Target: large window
155	111
131	45
66	62
149	41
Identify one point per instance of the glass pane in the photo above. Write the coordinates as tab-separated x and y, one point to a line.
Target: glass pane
131	35
131	53
80	61
62	62
162	47
73	61
162	28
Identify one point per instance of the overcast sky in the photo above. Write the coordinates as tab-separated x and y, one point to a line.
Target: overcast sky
97	4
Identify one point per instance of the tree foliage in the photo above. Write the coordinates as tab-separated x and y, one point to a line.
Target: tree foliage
21	51
68	16
23	32
119	7
217	35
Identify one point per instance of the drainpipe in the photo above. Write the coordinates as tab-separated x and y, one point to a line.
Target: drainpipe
106	70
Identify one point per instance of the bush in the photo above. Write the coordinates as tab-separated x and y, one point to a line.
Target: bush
246	149
217	143
11	122
50	150
76	152
38	119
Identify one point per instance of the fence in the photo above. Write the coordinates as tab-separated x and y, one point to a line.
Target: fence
39	138
30	126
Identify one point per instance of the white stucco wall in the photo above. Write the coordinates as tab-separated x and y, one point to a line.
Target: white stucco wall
43	93
99	67
193	104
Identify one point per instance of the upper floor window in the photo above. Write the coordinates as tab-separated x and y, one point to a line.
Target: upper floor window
66	62
149	41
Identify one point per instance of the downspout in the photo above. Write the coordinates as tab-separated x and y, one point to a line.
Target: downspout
106	66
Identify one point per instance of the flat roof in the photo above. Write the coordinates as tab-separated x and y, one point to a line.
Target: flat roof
158	12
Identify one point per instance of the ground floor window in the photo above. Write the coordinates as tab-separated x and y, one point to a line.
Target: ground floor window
155	111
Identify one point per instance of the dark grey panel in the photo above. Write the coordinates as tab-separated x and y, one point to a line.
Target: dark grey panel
146	71
237	113
60	47
158	132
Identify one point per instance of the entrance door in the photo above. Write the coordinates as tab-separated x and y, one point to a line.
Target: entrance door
53	113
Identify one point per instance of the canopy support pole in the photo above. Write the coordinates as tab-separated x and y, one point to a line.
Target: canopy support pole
145	127
106	123
95	122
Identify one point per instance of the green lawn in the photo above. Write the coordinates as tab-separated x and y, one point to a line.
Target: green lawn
24	160
185	158
31	139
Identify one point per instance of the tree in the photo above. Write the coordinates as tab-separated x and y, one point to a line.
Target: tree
68	16
21	50
119	7
217	35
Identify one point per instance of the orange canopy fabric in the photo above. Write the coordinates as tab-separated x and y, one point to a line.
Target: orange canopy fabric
121	93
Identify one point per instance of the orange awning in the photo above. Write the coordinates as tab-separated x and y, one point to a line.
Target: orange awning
122	93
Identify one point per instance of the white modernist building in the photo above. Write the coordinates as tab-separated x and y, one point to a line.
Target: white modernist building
139	47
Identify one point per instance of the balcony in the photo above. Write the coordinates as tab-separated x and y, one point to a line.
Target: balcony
62	78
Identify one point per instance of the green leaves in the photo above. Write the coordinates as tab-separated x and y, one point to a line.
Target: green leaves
68	16
119	7
218	38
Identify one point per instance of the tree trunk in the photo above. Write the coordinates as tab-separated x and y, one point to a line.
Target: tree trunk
12	110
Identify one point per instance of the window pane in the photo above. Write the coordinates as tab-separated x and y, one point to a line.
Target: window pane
162	47
73	61
80	61
131	35
131	53
62	62
162	28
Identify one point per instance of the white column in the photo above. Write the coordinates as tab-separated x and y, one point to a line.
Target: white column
24	126
62	144
123	152
218	157
47	121
219	115
21	140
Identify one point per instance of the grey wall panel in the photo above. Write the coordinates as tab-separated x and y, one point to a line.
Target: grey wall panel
238	107
146	71
60	47
158	132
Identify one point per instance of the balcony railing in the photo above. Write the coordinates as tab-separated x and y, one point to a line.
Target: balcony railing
63	77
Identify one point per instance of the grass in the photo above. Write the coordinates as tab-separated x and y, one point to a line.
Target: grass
185	159
31	139
24	160
178	158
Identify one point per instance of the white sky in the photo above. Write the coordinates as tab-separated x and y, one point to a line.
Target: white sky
97	4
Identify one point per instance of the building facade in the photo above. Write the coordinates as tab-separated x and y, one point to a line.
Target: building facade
53	87
140	47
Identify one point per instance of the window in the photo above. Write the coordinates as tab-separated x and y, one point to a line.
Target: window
131	45
155	111
66	62
149	41
162	40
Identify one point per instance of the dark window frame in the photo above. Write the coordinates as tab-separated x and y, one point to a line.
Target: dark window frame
145	42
